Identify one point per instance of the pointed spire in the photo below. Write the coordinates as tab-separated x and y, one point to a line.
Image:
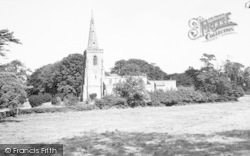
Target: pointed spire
92	44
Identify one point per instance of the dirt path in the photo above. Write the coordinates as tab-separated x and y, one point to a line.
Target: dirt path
192	119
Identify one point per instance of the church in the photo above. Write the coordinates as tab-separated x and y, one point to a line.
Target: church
95	80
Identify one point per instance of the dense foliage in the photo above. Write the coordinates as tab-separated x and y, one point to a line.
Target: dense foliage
111	101
12	75
6	37
38	100
210	80
61	77
210	85
133	89
57	109
135	67
184	79
12	90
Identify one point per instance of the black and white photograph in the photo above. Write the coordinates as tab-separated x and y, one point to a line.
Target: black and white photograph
124	77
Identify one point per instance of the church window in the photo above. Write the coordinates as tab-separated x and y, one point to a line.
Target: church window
95	60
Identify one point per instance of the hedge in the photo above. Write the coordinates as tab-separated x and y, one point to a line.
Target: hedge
111	101
57	109
169	98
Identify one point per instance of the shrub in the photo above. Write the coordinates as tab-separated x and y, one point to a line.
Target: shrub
47	97
36	100
57	109
61	95
169	98
82	107
66	90
56	101
70	100
133	90
2	115
43	110
12	90
93	96
110	101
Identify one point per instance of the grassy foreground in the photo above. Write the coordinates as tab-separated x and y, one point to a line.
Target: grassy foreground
159	144
200	129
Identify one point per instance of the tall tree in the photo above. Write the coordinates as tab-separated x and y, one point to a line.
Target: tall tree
213	81
234	71
138	67
18	68
133	89
70	72
6	37
57	77
12	90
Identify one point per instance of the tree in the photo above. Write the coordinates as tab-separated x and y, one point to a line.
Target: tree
246	78
52	78
182	79
43	80
234	71
6	37
130	69
207	60
12	80
134	67
12	90
16	67
210	80
70	72
191	72
133	89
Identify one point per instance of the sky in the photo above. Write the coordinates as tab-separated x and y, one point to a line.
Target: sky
152	30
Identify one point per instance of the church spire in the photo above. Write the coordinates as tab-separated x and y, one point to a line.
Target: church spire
92	44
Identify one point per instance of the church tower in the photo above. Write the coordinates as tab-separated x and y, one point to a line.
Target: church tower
93	71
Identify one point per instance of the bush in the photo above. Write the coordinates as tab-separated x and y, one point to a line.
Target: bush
8	113
47	97
56	100
12	90
43	110
38	100
2	115
133	90
93	96
57	109
70	100
110	101
169	98
83	107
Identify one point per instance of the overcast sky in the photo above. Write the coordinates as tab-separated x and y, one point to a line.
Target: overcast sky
152	30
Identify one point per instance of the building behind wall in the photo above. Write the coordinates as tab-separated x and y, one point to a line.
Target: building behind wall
95	81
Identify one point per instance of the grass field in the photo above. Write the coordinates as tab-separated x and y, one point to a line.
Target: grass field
199	129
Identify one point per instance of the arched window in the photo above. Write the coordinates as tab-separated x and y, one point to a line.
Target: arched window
95	60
